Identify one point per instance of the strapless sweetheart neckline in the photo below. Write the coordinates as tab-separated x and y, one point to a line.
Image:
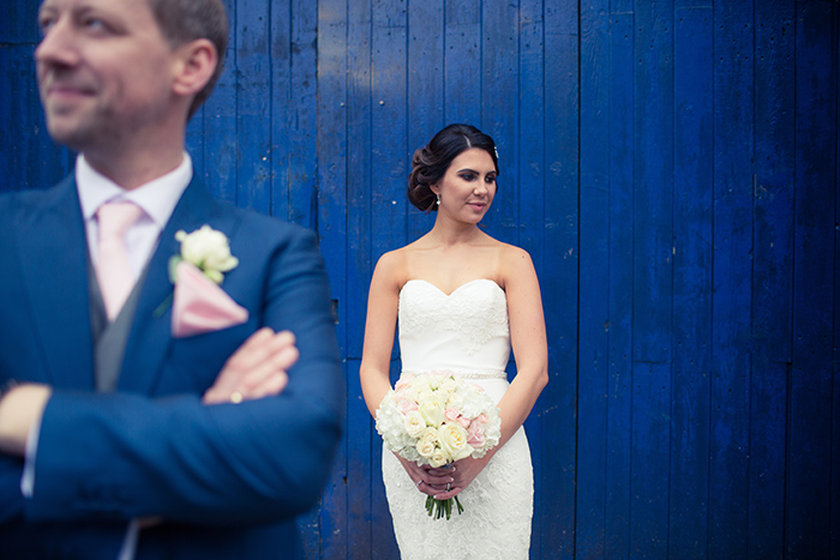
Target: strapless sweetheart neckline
464	285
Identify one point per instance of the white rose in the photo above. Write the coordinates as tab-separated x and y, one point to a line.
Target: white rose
427	443
432	411
209	250
453	441
414	423
438	459
421	385
448	385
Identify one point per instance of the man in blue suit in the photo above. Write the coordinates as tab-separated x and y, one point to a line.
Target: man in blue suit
196	412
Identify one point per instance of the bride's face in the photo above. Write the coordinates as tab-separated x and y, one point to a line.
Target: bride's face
468	186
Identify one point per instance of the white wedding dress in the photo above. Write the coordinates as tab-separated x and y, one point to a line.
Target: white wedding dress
465	332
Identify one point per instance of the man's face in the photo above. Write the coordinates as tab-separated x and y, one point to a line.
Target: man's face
104	70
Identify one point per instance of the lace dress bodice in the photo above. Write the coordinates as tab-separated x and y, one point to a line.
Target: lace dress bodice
465	332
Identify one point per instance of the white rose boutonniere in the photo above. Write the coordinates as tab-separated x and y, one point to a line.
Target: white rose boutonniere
199	303
206	249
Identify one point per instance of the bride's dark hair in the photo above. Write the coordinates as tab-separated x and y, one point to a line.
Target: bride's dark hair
430	162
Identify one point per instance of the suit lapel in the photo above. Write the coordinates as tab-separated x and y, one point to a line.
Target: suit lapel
150	339
53	250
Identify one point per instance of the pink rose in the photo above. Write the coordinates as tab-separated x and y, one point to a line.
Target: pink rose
406	406
452	415
475	434
403	383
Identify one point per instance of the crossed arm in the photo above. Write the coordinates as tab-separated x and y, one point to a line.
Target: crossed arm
257	369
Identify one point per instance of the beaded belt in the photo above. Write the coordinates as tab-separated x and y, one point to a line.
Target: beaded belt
465	373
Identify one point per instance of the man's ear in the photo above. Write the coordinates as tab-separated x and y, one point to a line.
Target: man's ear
195	64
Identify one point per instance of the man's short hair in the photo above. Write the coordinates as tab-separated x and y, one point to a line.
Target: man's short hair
182	21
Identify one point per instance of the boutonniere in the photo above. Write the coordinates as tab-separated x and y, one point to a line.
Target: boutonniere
208	250
199	305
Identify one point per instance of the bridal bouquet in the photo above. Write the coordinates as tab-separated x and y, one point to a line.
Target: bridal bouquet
436	419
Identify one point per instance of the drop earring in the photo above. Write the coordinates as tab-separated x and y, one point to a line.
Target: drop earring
437	196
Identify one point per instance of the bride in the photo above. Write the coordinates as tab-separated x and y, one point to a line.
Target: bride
461	300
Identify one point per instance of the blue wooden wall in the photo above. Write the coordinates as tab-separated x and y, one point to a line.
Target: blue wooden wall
672	166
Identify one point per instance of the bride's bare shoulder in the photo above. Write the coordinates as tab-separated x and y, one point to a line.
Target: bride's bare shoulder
392	268
392	260
504	251
512	254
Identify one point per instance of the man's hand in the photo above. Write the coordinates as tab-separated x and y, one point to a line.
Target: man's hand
257	368
20	408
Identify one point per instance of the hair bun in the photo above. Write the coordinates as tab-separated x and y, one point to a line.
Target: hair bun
429	163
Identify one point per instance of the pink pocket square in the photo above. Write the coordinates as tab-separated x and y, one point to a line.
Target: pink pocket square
200	305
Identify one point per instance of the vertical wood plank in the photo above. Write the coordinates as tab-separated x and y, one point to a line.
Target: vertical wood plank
693	188
11	88
36	162
330	134
29	157
835	408
253	79
282	107
556	408
286	36
621	149
425	91
520	202
366	497
389	170
19	23
301	130
511	53
593	361
772	284
728	484
194	141
693	219
462	62
32	161
649	432
652	305
809	442
330	171
220	123
358	167
652	278
388	123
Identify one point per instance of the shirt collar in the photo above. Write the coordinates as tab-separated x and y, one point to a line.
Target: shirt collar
157	198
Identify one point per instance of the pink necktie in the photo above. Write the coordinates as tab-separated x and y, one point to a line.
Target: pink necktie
113	268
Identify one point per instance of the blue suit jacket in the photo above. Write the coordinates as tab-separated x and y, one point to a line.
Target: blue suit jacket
228	479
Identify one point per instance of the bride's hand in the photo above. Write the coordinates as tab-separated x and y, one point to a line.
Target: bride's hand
463	472
428	480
